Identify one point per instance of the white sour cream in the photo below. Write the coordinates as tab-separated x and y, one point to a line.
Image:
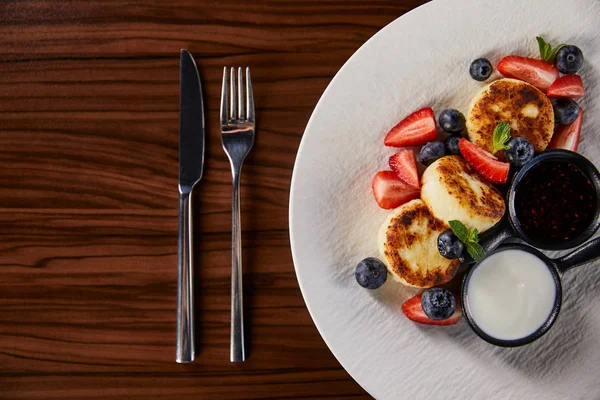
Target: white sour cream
511	294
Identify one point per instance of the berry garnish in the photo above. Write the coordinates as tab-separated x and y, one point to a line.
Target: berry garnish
531	70
569	59
449	245
391	191
431	152
415	130
519	151
569	86
486	164
567	136
452	121
451	143
438	303
565	110
481	69
404	164
413	310
370	273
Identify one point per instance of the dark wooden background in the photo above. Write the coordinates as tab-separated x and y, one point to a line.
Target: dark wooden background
89	102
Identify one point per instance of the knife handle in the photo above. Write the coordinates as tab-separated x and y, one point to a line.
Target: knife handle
185	282
237	350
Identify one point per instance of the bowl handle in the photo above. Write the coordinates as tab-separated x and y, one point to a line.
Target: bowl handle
582	255
489	241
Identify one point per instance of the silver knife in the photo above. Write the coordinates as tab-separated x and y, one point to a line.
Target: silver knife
191	161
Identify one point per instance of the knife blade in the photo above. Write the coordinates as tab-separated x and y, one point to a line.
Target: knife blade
191	161
191	122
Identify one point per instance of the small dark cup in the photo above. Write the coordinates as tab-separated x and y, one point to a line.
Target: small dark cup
511	227
557	267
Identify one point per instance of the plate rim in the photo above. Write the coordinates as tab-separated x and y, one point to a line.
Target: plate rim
295	173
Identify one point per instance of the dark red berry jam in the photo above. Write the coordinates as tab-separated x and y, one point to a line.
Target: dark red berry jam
555	202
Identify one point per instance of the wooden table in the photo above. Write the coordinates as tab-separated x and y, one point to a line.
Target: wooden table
89	98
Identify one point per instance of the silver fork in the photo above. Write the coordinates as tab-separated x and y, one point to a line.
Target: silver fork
237	138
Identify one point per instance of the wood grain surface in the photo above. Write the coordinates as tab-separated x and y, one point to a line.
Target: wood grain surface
89	98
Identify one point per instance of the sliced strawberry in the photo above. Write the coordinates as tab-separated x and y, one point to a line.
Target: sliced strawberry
569	86
414	311
486	164
390	191
567	136
404	164
531	70
415	130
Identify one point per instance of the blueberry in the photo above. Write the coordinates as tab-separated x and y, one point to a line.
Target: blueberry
481	69
569	59
466	258
370	273
431	152
449	246
565	110
451	143
519	152
452	121
438	303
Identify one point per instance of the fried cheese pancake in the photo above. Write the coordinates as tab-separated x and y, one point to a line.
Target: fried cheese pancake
408	247
526	108
453	190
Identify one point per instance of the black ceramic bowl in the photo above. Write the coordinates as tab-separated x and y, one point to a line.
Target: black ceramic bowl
557	267
511	227
585	166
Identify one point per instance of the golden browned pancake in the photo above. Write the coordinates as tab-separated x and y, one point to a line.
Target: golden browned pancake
525	107
408	247
452	189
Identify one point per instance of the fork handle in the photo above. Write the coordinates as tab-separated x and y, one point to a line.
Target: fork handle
237	352
185	280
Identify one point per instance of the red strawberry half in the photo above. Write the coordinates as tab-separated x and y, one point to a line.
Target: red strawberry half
486	164
531	70
569	86
567	136
414	311
415	130
390	191
404	164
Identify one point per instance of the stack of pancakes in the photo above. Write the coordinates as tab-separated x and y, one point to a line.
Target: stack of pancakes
451	189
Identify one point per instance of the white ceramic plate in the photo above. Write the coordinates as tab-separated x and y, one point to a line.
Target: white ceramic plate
420	60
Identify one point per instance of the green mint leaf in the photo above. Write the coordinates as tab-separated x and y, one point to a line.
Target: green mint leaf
547	53
460	230
476	251
474	236
501	136
543	47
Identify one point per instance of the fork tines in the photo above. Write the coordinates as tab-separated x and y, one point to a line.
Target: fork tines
244	112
